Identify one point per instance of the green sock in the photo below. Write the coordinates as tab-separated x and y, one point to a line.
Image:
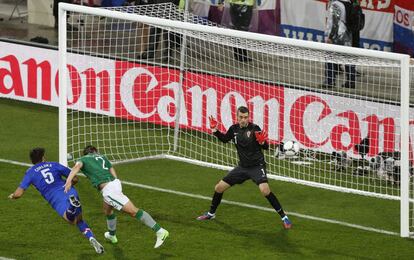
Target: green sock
146	218
111	224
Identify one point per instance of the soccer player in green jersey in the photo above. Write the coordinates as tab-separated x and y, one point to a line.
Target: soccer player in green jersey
102	175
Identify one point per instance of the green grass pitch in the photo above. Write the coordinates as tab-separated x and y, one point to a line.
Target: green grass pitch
30	229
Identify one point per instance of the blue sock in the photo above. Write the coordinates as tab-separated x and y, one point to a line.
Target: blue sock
84	228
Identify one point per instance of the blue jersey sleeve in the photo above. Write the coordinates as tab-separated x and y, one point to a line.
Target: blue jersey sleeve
27	180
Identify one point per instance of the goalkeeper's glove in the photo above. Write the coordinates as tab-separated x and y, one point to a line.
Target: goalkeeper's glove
213	123
261	137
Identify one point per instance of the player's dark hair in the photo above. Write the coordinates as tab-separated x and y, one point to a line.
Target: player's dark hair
89	149
36	155
243	110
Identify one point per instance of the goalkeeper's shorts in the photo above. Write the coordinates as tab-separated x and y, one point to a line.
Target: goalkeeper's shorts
240	174
112	194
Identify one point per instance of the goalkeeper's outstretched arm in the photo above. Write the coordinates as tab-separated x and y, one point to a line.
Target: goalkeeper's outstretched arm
229	135
222	137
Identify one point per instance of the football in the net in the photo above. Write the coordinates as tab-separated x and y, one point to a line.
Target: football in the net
291	148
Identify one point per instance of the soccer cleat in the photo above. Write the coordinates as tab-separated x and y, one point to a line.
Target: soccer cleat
74	201
162	235
95	244
111	238
286	222
207	216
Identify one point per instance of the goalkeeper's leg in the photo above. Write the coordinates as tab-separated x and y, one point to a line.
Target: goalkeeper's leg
268	194
219	189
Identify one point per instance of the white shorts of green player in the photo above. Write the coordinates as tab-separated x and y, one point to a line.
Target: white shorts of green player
113	196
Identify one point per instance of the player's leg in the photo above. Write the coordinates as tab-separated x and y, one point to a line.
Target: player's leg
258	175
114	197
147	220
110	223
235	176
72	207
271	197
219	189
87	232
72	213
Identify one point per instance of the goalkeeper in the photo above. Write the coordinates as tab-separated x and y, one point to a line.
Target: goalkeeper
249	141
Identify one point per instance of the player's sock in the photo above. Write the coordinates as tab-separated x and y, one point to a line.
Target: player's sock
215	202
84	228
146	218
275	204
111	224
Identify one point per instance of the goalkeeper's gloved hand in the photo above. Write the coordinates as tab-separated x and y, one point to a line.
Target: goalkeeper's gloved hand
261	137
213	123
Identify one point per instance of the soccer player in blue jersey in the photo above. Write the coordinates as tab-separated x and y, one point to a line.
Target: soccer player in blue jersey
46	177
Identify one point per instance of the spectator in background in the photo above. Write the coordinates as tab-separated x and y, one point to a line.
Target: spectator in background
173	40
55	10
357	23
241	12
338	32
69	27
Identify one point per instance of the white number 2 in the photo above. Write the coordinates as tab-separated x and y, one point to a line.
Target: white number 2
47	175
103	162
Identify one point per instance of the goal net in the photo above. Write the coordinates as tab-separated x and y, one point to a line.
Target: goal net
141	82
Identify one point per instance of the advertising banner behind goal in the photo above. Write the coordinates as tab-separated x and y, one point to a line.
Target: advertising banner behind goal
149	93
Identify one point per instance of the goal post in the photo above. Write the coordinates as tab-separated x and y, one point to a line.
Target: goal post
136	108
63	150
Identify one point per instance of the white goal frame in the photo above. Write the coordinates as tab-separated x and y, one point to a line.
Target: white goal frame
403	60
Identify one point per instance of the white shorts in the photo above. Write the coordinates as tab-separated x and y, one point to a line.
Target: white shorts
112	194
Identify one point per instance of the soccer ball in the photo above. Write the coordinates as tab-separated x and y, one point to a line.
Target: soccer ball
291	148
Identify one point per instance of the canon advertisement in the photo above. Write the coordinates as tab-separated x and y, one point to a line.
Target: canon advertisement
139	92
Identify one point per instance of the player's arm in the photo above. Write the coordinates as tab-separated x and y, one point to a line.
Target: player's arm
222	137
72	175
113	172
65	171
111	168
17	194
229	135
75	180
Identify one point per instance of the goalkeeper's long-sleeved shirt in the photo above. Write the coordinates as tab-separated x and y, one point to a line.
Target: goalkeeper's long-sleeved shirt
249	150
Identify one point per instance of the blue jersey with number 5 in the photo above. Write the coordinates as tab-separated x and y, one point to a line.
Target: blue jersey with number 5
47	179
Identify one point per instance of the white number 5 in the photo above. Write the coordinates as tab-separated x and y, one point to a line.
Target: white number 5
47	176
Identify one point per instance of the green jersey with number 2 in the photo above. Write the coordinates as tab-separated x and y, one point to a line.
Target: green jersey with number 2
96	167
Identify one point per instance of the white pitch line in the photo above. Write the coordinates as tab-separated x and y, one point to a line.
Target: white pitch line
15	163
245	205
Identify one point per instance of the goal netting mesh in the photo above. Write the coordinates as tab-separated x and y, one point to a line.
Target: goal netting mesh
129	80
